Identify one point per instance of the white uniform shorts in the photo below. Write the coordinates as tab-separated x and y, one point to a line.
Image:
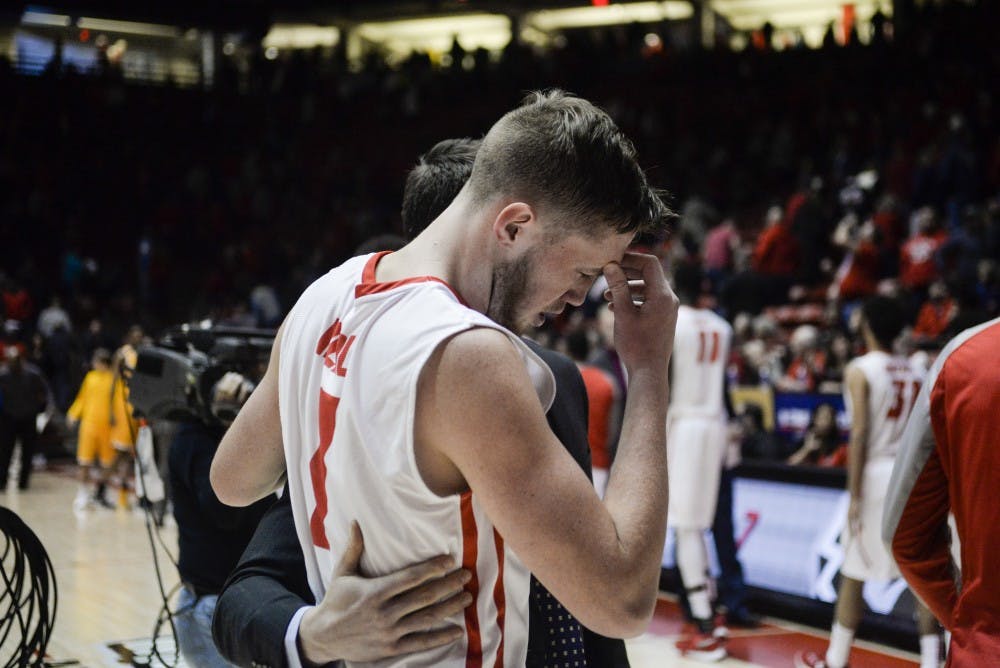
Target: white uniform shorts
696	447
865	555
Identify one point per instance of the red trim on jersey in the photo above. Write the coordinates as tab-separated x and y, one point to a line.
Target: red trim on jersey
499	596
370	286
317	467
470	545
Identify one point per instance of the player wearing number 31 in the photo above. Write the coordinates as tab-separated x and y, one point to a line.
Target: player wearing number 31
880	391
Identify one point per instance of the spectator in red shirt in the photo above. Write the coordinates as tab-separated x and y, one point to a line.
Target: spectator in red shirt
775	260
777	252
936	313
858	274
17	303
808	361
917	258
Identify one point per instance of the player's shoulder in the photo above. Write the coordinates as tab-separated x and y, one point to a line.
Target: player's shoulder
967	351
474	362
482	343
857	368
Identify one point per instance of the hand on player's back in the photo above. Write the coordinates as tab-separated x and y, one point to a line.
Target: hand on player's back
365	619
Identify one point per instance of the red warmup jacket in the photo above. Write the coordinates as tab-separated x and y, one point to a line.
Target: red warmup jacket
950	459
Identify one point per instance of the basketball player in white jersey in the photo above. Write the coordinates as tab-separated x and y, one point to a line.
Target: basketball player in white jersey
696	445
880	389
405	405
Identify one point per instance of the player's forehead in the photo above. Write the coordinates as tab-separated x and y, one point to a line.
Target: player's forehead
591	252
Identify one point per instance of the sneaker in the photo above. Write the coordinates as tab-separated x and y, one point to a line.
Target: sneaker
102	501
702	647
810	660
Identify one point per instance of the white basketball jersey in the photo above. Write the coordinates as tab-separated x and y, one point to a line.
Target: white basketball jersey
701	352
351	355
893	384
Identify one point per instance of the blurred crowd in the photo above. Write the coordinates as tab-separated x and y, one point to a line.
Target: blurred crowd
805	181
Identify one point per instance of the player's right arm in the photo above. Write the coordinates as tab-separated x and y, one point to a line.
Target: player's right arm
479	422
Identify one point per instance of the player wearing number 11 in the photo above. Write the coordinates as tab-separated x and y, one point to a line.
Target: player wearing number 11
696	443
880	391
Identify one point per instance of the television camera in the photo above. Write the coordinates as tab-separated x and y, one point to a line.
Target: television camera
178	377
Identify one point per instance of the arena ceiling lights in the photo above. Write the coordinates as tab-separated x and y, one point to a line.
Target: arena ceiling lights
810	17
39	17
489	31
435	35
32	17
128	27
551	20
300	36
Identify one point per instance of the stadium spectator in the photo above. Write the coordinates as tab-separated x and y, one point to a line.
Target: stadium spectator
858	274
936	313
807	364
756	441
17	303
822	444
776	257
718	254
918	262
24	395
52	317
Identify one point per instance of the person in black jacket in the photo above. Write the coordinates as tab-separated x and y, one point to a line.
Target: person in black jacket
263	618
210	537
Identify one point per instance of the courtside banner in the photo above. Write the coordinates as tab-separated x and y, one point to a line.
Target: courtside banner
788	536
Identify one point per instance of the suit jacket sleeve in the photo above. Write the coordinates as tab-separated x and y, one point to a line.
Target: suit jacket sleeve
263	594
568	415
568	420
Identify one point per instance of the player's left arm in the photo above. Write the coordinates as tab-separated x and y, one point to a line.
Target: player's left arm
857	451
250	461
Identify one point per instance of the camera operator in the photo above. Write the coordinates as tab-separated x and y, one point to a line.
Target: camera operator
211	535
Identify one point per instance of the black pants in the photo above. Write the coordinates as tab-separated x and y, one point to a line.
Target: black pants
12	429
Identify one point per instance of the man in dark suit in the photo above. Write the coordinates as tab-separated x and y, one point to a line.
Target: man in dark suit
262	617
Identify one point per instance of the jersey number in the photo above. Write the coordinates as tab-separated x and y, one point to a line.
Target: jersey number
708	347
333	347
900	406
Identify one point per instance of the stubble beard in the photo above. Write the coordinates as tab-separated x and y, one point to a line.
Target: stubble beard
508	288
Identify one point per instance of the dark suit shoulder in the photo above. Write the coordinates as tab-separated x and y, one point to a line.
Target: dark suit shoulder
568	415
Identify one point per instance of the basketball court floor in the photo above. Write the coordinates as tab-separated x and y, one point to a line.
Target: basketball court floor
109	597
